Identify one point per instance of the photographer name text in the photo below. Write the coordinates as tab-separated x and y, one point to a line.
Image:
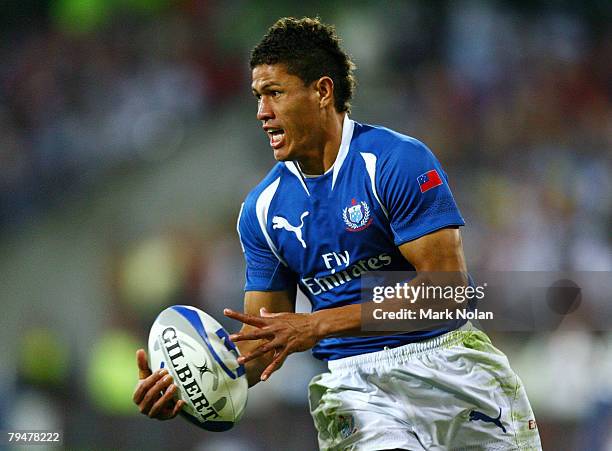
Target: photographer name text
431	314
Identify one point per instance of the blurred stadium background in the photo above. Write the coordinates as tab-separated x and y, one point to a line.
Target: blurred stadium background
128	140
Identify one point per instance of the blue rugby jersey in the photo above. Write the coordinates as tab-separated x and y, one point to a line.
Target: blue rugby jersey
324	232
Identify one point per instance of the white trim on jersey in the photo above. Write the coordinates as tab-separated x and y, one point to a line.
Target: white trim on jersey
238	227
347	134
293	168
261	209
370	162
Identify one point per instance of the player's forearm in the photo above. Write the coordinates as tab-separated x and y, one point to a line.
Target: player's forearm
339	321
348	320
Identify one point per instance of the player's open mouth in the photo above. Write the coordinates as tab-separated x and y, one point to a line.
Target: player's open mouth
277	137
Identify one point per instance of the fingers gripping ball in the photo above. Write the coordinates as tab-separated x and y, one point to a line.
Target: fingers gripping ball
197	352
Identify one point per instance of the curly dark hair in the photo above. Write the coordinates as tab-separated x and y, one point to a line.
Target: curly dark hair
310	50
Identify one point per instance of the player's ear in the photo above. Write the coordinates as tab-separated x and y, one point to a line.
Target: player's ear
325	89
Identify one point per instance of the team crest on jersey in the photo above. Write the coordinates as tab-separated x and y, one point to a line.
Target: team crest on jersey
357	216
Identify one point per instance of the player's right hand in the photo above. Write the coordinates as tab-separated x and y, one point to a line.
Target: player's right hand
154	394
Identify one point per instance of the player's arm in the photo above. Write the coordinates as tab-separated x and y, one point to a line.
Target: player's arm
287	333
440	251
255	303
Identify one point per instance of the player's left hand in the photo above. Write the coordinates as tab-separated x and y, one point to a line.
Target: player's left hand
284	333
154	393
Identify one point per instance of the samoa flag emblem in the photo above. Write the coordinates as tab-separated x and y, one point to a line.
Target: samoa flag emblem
429	180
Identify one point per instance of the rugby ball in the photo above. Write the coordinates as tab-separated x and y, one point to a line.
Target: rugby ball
200	357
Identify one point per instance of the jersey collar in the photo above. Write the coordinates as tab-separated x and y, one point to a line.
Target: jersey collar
347	135
348	126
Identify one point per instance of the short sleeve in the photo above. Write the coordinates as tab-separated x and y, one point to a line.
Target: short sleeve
414	189
264	270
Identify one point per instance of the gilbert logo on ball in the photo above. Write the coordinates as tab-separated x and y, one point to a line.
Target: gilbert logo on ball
201	358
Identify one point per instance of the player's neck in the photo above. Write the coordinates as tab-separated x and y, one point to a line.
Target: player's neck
325	155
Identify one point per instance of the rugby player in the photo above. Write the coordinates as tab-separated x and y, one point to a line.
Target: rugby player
344	199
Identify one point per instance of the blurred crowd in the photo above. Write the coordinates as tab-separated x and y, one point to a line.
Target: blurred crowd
516	103
514	98
79	102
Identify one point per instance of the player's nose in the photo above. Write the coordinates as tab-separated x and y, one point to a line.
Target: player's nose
264	109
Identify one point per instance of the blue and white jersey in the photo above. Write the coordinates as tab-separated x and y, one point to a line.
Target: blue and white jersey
324	232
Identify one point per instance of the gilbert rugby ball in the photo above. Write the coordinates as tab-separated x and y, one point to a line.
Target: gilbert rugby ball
201	359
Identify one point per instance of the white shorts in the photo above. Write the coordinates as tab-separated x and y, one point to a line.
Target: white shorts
453	392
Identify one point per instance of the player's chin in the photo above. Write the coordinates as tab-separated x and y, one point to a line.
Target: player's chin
281	154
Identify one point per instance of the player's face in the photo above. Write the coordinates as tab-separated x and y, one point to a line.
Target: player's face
289	111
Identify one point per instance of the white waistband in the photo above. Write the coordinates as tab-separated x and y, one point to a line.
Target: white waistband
401	353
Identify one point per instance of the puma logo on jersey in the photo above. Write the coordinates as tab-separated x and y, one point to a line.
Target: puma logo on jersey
278	222
475	415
